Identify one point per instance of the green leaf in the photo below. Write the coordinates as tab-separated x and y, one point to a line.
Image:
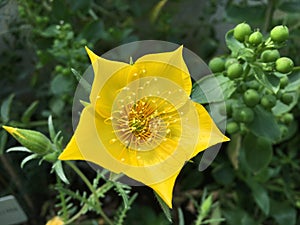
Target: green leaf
281	108
51	129
81	5
258	152
238	13
94	31
283	213
3	140
180	216
260	196
233	149
157	9
290	6
212	88
28	158
61	85
122	211
216	216
29	111
164	207
51	31
275	82
238	216
58	168
294	82
5	108
123	190
265	125
261	77
223	174
233	44
18	149
86	86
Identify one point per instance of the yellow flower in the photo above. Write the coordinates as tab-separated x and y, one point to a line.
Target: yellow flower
55	221
141	121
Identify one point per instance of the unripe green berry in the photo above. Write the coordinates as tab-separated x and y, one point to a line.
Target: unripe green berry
284	81
270	55
230	61
268	101
232	127
283	130
287	118
255	38
241	31
251	97
234	71
217	65
279	33
253	84
286	98
245	115
284	65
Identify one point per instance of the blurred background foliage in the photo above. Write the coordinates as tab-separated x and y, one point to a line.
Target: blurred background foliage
41	41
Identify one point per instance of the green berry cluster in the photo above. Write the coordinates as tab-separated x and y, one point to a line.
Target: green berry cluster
259	74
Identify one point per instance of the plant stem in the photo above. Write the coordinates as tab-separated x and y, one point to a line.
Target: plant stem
63	200
92	189
269	15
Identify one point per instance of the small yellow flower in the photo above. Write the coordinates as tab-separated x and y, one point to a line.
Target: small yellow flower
55	221
141	121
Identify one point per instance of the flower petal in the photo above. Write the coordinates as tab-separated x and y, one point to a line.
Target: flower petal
209	132
71	152
169	66
164	65
103	70
102	147
165	189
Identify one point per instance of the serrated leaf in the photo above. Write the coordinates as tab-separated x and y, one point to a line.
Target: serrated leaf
164	207
234	45
28	158
253	147
58	168
122	192
18	149
122	211
265	125
5	108
29	111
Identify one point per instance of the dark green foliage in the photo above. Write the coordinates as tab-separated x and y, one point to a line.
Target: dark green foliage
255	178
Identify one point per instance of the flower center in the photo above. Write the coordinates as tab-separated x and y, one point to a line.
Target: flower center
139	125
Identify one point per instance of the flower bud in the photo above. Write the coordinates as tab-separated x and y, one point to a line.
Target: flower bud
33	140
